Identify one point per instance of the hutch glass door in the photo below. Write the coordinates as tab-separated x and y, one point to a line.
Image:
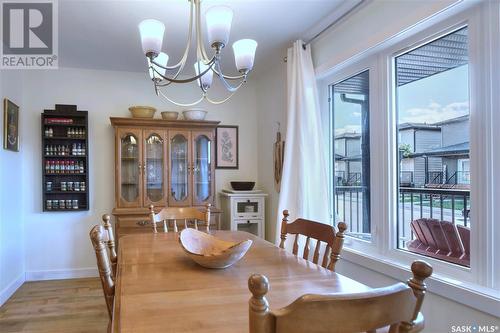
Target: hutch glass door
153	168
130	167
202	168
179	168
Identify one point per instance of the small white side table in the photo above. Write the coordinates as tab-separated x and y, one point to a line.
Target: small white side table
244	211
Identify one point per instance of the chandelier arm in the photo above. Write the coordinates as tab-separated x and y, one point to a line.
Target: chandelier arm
167	67
181	104
218	71
191	79
199	36
221	101
182	62
226	84
228	77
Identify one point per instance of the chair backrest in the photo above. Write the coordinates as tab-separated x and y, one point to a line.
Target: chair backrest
99	238
110	242
464	233
186	214
320	232
397	306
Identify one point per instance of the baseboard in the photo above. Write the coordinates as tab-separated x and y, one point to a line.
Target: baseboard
11	289
59	274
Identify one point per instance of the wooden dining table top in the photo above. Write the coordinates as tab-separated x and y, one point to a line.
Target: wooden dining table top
160	289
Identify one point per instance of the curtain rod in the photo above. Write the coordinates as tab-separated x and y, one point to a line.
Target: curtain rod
329	26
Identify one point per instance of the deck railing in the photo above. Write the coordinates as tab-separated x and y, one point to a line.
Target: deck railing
451	205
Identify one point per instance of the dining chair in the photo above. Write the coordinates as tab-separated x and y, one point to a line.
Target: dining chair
180	213
110	242
393	309
99	239
322	233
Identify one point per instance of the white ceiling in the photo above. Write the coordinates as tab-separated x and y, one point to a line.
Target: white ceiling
104	35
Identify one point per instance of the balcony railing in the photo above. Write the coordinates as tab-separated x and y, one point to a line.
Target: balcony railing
352	178
435	177
349	208
451	205
458	177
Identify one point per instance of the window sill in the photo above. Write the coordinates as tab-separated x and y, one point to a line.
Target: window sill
478	297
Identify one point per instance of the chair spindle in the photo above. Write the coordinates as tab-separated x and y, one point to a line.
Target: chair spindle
306	249
295	249
153	220
316	251
337	245
111	242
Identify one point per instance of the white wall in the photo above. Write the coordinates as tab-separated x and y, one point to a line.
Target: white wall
11	222
58	243
271	92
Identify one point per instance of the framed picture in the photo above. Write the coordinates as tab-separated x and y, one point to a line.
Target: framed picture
226	138
10	125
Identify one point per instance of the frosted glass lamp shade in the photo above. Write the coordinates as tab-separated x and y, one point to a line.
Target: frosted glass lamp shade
206	79
151	35
161	59
219	20
244	54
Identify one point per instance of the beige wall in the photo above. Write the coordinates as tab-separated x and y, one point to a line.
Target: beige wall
57	243
271	92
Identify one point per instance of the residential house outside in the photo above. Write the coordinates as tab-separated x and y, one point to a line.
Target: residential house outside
348	159
439	154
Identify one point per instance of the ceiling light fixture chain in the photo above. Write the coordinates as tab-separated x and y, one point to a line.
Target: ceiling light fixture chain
218	19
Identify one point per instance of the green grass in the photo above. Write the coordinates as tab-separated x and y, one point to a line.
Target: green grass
436	203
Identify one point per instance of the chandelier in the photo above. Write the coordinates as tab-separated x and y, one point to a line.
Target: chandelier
218	20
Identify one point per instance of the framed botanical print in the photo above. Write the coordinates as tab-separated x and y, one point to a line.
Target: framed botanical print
226	138
10	125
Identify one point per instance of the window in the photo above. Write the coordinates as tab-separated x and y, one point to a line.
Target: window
351	154
432	105
433	114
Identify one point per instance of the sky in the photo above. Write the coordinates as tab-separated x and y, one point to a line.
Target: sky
435	98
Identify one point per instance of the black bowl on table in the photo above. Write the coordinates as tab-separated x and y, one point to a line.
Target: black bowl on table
242	186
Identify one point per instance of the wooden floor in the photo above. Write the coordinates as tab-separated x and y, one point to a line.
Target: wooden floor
68	306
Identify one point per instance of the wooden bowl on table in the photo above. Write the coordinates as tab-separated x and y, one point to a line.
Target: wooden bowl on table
211	252
142	111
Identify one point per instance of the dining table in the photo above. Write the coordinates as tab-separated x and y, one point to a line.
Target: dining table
160	289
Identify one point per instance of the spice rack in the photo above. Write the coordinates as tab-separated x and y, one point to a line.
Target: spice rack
65	177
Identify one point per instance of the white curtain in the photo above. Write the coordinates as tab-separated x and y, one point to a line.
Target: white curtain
304	183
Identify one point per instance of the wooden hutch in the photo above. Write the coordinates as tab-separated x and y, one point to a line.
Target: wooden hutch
161	163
